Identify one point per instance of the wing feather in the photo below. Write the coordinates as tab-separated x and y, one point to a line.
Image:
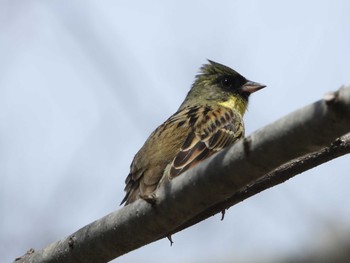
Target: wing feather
216	129
197	132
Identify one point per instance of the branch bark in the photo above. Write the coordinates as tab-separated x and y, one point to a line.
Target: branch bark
223	180
339	147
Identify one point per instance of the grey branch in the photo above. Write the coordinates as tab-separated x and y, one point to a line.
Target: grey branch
266	158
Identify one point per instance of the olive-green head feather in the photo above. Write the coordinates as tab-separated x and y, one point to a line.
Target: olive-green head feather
217	84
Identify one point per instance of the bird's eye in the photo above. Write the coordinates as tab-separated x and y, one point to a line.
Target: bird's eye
226	82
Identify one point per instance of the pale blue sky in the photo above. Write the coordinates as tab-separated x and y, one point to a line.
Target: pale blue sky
83	83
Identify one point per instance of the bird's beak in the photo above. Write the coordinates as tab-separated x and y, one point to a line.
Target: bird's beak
251	86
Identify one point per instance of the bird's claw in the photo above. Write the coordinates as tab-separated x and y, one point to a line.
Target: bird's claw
170	239
223	214
151	198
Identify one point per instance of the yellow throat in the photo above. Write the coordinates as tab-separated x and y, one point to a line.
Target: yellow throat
237	103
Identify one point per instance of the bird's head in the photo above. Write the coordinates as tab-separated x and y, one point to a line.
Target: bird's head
217	84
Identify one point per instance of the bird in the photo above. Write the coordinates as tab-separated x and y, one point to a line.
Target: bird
208	120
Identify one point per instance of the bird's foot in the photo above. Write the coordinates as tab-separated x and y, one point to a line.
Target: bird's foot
223	214
170	239
151	198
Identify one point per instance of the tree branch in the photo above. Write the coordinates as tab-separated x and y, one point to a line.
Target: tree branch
215	184
339	147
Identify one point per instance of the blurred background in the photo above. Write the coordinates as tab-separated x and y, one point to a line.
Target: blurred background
83	84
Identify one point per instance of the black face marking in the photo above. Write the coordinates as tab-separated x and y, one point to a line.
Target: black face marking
232	83
226	82
245	95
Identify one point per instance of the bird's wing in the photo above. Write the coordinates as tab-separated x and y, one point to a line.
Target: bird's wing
213	129
147	168
208	130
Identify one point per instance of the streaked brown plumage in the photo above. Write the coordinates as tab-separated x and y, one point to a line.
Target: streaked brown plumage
209	119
